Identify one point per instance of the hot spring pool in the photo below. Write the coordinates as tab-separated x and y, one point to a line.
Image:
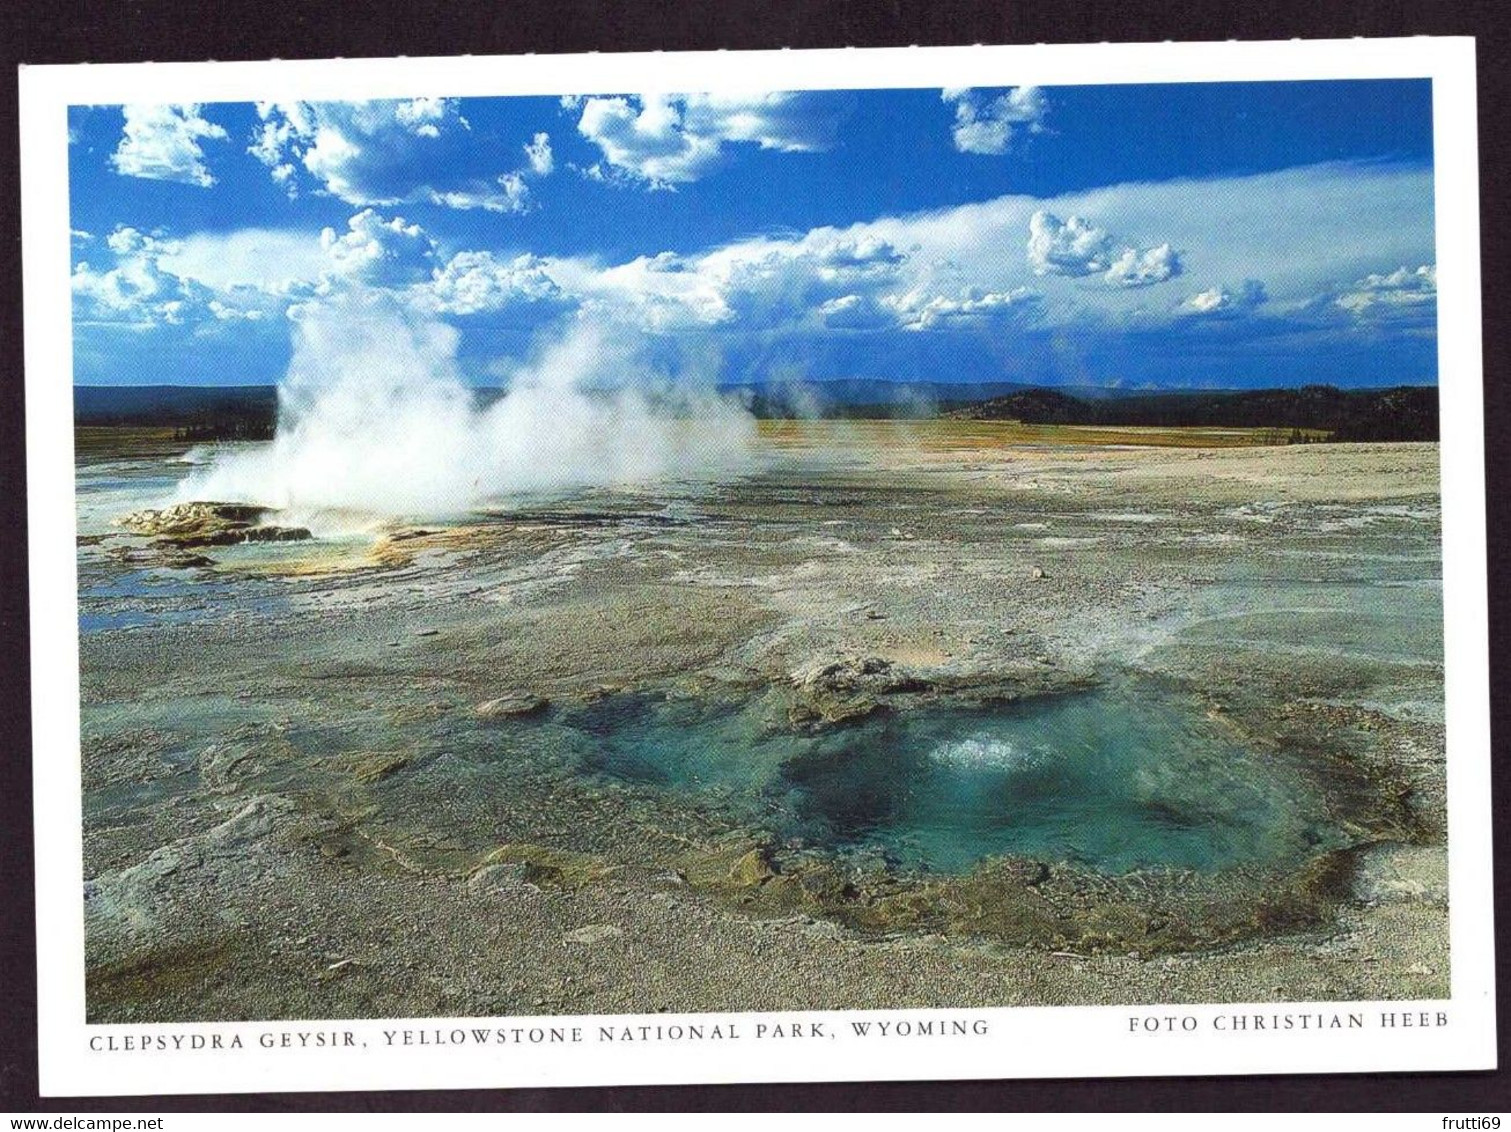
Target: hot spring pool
1120	778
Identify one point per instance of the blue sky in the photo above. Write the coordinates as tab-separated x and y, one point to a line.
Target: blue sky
1199	235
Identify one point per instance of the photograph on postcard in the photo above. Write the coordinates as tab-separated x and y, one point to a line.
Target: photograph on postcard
713	551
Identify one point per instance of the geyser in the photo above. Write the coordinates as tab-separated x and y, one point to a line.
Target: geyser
376	420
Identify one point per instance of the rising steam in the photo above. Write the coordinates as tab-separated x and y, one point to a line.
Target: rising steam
375	419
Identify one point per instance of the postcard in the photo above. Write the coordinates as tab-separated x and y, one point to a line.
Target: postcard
757	567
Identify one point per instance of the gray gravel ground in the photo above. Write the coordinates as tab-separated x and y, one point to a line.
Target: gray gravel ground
291	811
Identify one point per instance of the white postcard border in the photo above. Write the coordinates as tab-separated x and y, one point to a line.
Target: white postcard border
1019	1042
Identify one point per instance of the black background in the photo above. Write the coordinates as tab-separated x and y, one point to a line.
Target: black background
70	31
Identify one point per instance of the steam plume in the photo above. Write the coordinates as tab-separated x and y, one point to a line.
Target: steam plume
375	419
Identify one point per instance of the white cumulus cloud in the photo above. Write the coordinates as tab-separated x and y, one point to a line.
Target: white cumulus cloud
425	116
985	123
971	305
1221	300
664	140
136	291
660	293
959	268
855	312
1404	290
161	143
381	252
385	153
270	260
1069	247
1134	268
538	152
246	275
476	281
1077	247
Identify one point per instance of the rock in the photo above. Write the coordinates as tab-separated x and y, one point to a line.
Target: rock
223	766
753	869
868	864
1402	874
512	705
847	711
826	886
133	910
841	675
189	525
275	534
540	865
255	820
190	519
161	555
1026	872
594	933
843	691
802	714
1036	572
830	710
369	767
492	877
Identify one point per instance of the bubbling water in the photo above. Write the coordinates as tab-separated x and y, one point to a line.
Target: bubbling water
985	752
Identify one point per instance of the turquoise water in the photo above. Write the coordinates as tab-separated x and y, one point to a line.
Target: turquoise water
1117	779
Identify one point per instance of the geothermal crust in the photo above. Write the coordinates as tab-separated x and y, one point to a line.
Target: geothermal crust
294	806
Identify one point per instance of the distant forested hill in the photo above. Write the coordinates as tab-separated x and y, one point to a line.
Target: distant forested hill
1406	412
222	412
1399	413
